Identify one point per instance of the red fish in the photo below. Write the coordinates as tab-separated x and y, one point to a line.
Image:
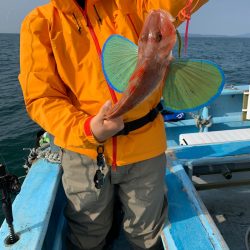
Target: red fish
156	41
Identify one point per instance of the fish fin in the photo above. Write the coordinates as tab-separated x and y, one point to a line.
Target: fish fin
192	84
119	59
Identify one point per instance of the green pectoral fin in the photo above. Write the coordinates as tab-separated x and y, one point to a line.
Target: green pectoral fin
119	59
192	84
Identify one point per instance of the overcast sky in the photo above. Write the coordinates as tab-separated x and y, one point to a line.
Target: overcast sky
218	17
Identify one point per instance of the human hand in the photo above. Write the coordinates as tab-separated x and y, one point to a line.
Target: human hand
102	128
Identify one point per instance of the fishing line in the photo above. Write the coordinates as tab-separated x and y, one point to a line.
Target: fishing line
179	43
4	162
22	177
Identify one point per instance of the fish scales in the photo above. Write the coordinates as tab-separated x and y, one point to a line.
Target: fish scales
156	41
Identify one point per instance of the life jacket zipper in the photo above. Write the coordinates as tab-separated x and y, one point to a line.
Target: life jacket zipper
112	92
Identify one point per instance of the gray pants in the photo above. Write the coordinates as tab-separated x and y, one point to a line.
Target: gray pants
89	211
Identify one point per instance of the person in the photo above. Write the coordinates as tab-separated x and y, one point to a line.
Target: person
65	92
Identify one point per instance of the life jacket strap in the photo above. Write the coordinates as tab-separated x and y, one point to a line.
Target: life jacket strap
138	123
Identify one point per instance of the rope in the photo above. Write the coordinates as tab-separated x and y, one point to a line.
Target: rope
201	122
53	157
185	15
43	152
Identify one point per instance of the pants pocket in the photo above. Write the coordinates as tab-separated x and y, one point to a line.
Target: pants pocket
78	179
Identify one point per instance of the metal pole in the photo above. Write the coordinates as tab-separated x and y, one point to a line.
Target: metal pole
216	185
205	116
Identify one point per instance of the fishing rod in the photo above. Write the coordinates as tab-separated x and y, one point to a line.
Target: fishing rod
9	184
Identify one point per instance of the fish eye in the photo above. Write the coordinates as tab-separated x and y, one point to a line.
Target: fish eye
158	36
144	38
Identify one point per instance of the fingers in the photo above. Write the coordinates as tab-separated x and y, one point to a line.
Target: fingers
103	129
114	125
103	110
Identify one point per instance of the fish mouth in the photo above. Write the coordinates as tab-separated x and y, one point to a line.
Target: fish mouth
148	57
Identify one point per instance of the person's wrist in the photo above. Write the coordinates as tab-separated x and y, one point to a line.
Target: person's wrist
88	132
100	140
95	133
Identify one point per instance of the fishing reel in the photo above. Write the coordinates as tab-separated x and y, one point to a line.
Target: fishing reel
9	184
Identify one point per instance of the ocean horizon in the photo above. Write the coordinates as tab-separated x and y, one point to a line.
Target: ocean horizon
245	35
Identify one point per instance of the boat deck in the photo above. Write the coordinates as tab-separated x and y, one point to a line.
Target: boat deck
229	207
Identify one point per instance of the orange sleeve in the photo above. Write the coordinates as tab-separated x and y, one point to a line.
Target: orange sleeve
45	94
172	6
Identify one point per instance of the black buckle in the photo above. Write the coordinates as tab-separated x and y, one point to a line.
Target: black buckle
99	176
98	179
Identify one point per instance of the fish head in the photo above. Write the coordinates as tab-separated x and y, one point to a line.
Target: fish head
158	35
